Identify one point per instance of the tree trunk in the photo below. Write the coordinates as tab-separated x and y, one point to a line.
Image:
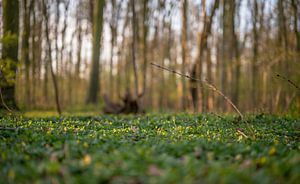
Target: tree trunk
184	50
227	47
202	45
145	45
95	68
210	97
237	68
27	4
255	54
9	52
133	49
295	12
56	92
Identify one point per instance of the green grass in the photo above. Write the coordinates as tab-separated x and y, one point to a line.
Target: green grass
150	149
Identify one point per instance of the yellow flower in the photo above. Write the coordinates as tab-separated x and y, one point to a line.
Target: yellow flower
87	159
272	151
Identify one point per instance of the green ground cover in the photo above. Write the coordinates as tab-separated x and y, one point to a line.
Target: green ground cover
150	149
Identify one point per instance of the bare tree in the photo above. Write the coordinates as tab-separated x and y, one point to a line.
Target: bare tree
49	52
202	45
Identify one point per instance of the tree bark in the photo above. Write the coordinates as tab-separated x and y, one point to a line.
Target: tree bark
202	44
9	51
184	50
145	45
133	48
295	13
27	6
227	47
94	87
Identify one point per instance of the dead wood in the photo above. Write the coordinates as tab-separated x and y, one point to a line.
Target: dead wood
128	105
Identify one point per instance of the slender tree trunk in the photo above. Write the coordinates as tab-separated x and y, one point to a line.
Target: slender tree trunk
237	65
122	57
94	87
113	33
133	48
36	52
25	49
145	45
46	17
227	47
154	48
79	48
255	54
45	86
33	55
296	19
202	45
63	32
210	97
184	50
9	52
284	43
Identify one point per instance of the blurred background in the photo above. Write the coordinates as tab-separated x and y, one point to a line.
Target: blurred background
68	54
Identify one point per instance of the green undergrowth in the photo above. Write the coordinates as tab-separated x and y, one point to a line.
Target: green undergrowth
150	149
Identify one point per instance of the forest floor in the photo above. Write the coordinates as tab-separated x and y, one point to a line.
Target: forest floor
154	148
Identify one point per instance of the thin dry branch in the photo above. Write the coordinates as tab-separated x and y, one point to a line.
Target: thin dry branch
288	80
205	82
3	102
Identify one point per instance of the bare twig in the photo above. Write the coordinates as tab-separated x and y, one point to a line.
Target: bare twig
205	82
3	102
288	80
240	131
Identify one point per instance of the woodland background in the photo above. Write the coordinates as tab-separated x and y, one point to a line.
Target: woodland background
67	54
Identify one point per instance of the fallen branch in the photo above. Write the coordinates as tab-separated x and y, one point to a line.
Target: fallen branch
240	131
11	129
205	82
288	80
